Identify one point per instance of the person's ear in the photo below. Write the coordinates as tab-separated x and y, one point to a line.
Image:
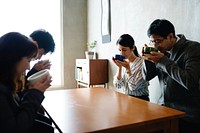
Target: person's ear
171	35
133	48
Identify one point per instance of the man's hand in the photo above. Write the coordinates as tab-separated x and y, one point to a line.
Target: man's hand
41	65
153	56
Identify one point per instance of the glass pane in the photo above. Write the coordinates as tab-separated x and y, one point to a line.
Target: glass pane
25	16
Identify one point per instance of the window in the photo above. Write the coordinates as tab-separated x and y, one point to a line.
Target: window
25	16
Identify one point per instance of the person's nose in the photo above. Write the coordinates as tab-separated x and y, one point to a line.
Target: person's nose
156	45
122	53
38	57
29	66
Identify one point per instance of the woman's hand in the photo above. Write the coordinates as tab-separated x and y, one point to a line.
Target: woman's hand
123	63
116	63
41	84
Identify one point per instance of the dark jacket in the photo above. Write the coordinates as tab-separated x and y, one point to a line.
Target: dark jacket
31	72
18	117
179	77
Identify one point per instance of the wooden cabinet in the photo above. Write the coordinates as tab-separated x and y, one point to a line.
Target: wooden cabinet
89	72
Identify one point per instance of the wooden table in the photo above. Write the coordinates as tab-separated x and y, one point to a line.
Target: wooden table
103	110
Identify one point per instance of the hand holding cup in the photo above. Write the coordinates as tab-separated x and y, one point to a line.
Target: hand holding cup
40	80
147	50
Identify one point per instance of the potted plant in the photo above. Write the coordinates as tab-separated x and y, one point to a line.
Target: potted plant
90	53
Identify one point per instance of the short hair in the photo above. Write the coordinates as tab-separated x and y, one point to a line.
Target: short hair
44	40
161	27
127	40
13	47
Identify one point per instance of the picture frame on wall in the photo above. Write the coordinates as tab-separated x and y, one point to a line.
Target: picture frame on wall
105	21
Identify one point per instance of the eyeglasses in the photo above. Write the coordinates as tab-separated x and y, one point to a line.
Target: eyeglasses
156	42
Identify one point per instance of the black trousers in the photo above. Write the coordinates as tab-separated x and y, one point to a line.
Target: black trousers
41	127
42	124
144	97
187	127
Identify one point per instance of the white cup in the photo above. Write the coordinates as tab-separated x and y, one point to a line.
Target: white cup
37	76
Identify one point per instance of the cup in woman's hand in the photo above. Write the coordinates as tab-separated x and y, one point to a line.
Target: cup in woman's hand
38	76
119	57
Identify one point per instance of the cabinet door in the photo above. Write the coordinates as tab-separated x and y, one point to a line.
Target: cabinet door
92	71
98	72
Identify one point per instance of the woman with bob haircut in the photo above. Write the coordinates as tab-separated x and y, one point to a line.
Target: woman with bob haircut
18	115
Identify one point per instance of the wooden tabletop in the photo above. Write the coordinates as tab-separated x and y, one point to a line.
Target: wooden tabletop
99	109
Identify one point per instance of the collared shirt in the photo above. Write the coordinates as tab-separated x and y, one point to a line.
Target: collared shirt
177	39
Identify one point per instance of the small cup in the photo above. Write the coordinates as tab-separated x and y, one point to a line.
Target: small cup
119	57
37	76
148	50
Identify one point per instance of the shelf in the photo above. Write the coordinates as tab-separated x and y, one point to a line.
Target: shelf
89	72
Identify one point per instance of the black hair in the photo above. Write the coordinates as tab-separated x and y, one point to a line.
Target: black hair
44	40
161	27
13	47
127	40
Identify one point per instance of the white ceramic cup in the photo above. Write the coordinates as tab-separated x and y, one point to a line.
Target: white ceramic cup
37	76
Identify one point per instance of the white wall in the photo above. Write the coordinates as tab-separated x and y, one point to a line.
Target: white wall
133	17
